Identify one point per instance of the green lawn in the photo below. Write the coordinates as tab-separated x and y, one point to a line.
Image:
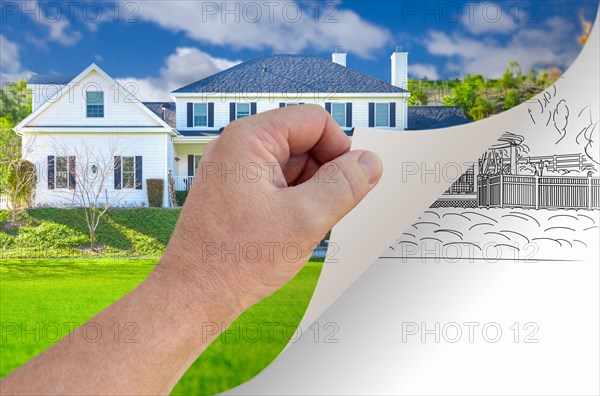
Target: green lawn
50	233
54	294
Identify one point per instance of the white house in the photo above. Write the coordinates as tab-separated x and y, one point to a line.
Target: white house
150	140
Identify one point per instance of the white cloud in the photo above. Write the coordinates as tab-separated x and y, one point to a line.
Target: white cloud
420	70
280	26
548	45
10	64
185	66
488	18
54	19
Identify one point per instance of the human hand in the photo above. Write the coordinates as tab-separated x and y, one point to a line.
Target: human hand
266	192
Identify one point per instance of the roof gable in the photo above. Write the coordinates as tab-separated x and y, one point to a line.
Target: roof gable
67	107
290	74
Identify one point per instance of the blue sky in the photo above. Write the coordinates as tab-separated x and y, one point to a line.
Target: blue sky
162	45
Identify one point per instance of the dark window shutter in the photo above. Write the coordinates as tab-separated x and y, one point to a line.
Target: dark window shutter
393	114
190	115
328	107
191	165
211	115
50	172
138	172
117	172
252	108
371	115
281	104
349	115
72	173
231	112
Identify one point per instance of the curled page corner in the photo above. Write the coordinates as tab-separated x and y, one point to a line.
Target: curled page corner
418	167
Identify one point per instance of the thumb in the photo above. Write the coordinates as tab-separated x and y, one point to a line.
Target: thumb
335	189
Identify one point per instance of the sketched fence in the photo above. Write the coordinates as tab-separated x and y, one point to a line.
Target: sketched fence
538	192
572	162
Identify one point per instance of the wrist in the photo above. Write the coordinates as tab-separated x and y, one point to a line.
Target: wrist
198	290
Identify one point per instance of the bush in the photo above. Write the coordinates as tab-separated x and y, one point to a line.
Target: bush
155	188
180	197
21	178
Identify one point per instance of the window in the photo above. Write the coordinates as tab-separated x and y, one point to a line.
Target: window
242	110
382	114
94	101
338	112
200	114
62	172
128	169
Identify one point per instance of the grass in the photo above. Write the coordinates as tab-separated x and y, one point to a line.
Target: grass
56	294
50	233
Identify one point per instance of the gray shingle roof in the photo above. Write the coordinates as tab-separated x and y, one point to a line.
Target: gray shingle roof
157	107
290	74
434	117
50	79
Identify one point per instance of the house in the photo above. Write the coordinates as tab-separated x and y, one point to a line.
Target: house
139	141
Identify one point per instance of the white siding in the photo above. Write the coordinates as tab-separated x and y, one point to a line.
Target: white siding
151	146
70	109
182	151
360	108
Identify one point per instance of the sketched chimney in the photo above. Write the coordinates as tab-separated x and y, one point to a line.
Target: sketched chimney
339	57
400	68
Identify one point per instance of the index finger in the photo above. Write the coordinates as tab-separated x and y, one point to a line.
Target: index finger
292	131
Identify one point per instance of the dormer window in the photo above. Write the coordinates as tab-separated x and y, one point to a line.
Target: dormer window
94	104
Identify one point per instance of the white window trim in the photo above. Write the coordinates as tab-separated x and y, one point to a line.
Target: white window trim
388	115
56	187
249	110
343	125
123	170
85	116
194	115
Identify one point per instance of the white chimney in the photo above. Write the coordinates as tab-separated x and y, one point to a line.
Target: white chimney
400	69
339	57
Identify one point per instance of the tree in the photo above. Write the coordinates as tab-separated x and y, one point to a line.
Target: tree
418	96
464	93
481	109
21	182
91	170
511	77
512	99
15	104
587	29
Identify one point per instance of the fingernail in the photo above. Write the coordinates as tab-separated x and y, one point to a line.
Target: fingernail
372	166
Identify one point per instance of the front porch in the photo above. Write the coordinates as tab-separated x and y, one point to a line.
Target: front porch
187	152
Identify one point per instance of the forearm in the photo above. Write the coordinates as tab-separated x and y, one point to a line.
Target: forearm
170	322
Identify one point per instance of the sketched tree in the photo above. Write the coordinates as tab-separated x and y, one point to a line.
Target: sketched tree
90	174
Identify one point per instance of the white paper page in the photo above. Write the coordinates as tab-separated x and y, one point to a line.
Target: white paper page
552	297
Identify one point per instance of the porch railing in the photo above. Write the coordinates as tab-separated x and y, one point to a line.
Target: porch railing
183	183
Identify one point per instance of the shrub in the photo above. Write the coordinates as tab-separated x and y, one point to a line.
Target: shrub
21	178
50	235
180	197
155	188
